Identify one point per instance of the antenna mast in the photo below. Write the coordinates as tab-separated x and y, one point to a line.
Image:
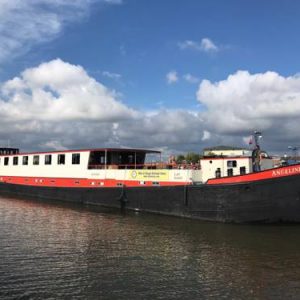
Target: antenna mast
257	136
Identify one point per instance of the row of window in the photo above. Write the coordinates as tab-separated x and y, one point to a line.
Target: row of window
242	171
230	172
61	159
8	152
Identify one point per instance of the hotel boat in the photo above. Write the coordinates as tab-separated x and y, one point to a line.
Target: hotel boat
220	188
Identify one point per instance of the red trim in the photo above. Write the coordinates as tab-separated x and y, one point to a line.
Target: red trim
267	174
82	182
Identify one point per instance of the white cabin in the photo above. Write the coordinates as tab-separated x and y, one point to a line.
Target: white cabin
114	167
92	167
213	167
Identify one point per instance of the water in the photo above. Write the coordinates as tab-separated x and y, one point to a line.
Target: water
56	251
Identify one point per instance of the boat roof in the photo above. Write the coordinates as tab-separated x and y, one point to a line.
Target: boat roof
89	150
224	157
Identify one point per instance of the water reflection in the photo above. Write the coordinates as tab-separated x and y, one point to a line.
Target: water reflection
60	251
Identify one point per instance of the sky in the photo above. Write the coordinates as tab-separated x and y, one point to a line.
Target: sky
176	76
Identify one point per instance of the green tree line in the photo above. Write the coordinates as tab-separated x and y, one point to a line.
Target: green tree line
190	157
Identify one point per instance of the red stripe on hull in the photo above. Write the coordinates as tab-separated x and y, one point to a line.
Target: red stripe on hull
263	175
81	182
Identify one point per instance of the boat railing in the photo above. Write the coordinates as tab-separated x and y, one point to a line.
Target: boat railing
147	166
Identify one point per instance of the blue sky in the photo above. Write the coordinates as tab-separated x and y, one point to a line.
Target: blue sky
138	39
155	56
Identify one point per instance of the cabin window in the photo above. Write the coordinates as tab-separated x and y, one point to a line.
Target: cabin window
48	159
242	170
6	160
36	160
229	172
218	173
15	160
130	159
25	160
102	160
61	158
231	163
75	159
97	160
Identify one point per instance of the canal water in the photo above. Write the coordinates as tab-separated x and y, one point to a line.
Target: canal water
59	251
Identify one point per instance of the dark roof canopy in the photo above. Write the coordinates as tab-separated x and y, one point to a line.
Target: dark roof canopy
123	150
6	150
126	150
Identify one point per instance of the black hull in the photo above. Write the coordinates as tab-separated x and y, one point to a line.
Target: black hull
267	201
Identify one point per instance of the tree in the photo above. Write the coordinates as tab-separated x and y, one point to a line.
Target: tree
192	157
180	158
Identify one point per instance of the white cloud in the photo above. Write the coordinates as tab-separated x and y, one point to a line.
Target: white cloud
190	78
57	90
208	45
57	105
113	1
53	144
111	75
247	140
188	44
24	24
165	128
205	45
172	77
245	102
206	135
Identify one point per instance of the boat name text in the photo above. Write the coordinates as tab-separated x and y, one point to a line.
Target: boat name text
284	172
